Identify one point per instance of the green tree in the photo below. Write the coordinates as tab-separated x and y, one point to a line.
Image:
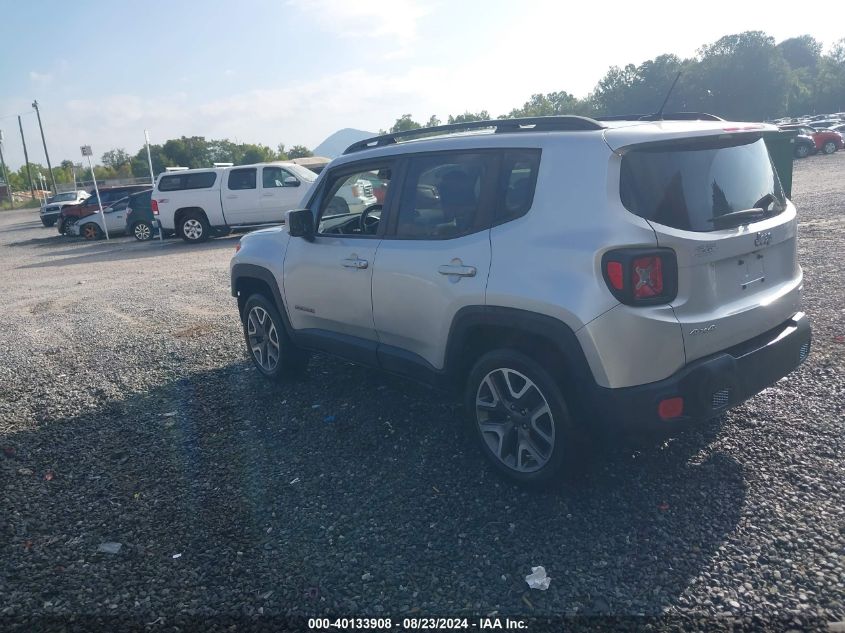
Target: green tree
551	104
433	121
281	152
468	117
299	151
404	123
115	158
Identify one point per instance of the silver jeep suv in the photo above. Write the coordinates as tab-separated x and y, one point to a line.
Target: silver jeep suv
561	273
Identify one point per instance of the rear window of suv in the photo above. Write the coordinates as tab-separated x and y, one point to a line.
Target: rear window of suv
688	185
177	182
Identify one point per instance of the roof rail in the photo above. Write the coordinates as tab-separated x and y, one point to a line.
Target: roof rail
666	116
530	124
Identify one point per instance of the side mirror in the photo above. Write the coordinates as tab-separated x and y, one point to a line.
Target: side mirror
290	181
300	223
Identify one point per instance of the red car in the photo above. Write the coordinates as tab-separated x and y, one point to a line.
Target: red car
827	141
71	213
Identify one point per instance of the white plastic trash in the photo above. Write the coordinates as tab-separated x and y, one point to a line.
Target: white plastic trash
538	579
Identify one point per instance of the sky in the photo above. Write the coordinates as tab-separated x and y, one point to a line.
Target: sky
295	71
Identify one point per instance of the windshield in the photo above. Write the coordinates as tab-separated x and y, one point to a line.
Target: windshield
687	186
63	197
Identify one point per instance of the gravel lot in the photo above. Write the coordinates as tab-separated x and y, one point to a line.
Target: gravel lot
130	414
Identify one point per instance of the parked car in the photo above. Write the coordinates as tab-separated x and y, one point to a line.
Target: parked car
570	274
70	214
91	226
826	141
825	124
51	209
197	203
804	146
140	222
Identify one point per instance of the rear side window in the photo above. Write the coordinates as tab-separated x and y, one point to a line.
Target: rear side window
687	186
442	196
178	182
242	179
517	182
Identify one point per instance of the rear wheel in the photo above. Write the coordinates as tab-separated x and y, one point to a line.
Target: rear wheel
519	417
194	228
91	231
829	147
802	151
142	231
268	344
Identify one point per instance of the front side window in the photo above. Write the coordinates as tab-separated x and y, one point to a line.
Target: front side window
272	177
242	179
690	186
441	197
350	205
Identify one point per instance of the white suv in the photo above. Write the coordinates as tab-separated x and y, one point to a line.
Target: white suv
561	273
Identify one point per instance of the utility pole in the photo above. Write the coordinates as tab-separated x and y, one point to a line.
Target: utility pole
6	173
41	127
26	159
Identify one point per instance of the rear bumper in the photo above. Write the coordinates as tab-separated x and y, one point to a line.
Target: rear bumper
711	385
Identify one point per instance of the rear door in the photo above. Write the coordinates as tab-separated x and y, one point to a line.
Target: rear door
240	196
738	276
435	257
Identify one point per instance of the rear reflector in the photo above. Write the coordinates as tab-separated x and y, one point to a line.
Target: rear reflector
614	275
670	408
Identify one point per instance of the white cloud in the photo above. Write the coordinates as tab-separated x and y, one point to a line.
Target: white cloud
41	79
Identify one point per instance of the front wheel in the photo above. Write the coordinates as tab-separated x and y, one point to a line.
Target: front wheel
142	231
272	352
194	228
829	147
519	417
47	222
91	231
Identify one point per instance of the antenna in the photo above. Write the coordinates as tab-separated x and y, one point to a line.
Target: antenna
659	114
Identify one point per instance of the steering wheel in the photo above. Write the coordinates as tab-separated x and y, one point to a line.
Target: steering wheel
369	220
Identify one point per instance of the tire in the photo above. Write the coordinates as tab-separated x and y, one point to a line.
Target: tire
46	222
829	147
264	331
142	231
504	387
194	228
802	151
90	231
61	227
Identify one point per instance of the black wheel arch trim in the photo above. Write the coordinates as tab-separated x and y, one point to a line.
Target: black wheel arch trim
251	271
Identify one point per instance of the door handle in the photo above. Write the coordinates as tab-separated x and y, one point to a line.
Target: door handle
459	270
266	195
355	262
231	196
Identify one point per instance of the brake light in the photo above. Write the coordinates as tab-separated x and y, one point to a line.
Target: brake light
154	206
638	276
648	277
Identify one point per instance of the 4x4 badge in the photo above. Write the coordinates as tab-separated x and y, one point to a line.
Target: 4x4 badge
763	238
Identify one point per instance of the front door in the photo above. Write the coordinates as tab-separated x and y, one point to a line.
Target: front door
328	280
240	196
281	191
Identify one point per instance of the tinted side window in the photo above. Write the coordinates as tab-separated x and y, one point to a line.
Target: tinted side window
442	194
170	183
517	182
178	182
242	179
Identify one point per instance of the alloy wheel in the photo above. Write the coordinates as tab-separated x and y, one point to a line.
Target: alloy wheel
89	232
515	420
192	229
142	231
263	338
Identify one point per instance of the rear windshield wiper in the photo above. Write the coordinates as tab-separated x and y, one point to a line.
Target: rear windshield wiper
739	217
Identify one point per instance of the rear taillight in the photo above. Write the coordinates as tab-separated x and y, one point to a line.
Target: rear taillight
640	276
154	206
